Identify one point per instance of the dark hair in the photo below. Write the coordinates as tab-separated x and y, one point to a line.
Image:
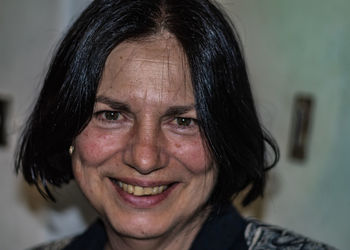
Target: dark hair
224	103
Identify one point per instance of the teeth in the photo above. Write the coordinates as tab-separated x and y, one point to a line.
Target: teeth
125	187
147	190
140	191
130	189
155	190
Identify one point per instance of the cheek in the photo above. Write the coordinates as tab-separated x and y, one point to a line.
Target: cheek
94	147
193	155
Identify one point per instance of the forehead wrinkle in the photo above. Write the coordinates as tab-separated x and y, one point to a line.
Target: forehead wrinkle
116	63
172	72
165	68
173	64
173	50
154	61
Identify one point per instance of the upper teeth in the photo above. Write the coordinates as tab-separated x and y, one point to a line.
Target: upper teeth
139	191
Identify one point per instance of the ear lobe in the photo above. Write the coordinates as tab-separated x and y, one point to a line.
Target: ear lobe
71	149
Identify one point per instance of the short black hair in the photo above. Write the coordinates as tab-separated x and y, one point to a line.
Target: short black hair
225	108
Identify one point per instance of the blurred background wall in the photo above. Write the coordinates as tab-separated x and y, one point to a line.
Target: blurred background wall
291	47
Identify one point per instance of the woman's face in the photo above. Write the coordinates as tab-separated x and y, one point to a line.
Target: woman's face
141	160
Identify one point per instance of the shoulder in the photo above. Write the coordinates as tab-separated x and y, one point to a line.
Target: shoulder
263	236
55	245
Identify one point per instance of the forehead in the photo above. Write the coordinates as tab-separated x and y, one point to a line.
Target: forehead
155	63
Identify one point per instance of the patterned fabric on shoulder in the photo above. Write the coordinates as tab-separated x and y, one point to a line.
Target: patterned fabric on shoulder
55	245
261	236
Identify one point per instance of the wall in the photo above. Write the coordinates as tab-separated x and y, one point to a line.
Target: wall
291	46
302	47
28	32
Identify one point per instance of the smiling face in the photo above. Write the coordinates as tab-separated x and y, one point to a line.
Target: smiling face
141	160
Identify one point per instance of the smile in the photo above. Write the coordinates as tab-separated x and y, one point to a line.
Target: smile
139	190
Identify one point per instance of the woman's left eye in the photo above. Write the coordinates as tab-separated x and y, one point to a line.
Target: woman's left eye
184	125
184	122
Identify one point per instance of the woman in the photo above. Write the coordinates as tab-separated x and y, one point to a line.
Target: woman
147	105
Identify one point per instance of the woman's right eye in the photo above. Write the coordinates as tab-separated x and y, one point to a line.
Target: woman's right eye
106	116
111	115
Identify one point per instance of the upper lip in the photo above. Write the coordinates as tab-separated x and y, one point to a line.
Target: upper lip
143	183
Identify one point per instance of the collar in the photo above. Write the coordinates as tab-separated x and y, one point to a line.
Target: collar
224	230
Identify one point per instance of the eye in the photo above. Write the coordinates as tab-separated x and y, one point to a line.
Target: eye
108	116
183	121
111	115
184	125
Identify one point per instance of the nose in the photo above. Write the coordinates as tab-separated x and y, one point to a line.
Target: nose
144	152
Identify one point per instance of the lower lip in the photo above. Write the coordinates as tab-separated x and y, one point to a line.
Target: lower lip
144	201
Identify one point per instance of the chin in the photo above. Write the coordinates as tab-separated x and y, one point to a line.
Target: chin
139	226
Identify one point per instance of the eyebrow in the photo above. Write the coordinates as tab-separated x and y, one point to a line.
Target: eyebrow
178	110
171	111
113	104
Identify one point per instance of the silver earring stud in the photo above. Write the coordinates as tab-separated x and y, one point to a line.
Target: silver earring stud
71	149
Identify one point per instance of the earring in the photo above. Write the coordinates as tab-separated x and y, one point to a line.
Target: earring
71	149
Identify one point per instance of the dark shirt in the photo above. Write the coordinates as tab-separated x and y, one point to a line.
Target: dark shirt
224	229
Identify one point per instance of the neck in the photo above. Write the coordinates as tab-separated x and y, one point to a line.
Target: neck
178	238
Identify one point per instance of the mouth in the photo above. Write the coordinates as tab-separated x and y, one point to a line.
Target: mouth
143	194
140	190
